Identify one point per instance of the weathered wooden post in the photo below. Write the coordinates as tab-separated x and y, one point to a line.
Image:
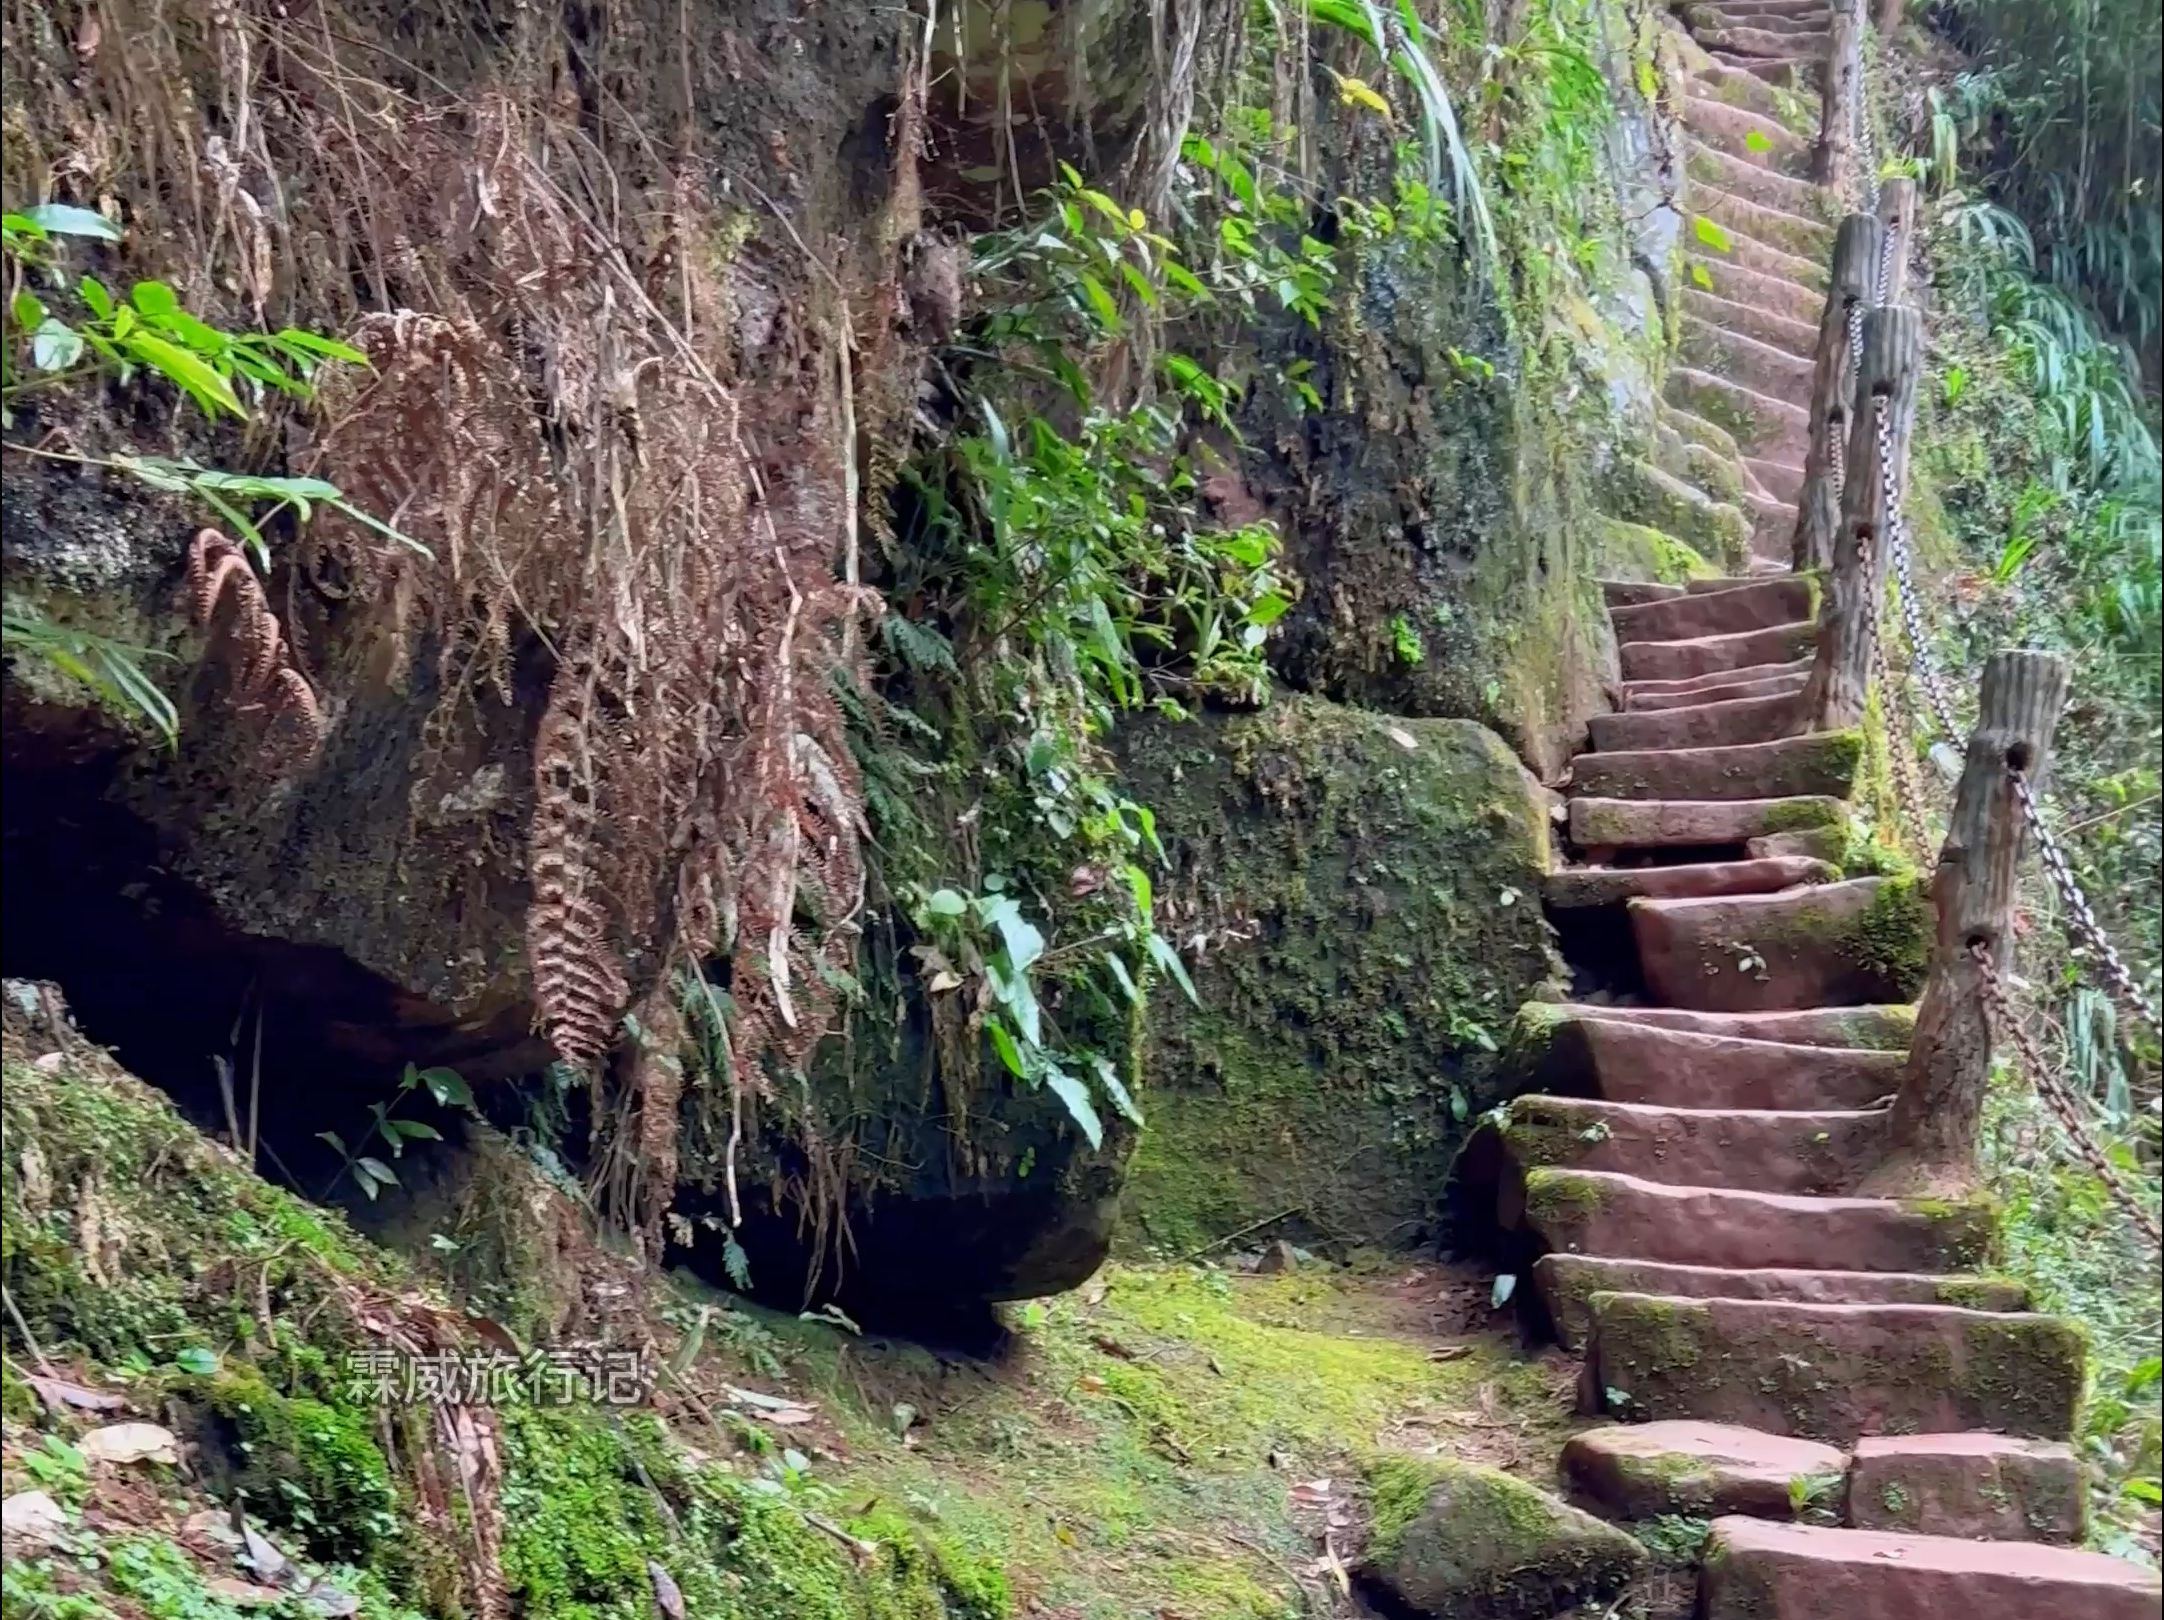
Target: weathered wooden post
1834	162
1893	349
1886	17
1897	212
1833	390
1932	1135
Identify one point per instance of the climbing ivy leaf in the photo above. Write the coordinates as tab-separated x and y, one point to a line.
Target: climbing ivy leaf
1756	140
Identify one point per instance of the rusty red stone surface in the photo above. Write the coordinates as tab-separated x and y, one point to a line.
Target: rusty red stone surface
1974	1485
1758	1570
1699	1470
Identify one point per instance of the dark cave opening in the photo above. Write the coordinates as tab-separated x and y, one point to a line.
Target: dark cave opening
218	1019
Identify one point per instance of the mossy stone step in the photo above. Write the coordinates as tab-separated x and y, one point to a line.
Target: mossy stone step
1714	723
1598	822
1757	604
1577	887
1763	426
1796	1152
1565	1285
1602	1212
1764	368
1880	1029
1682	659
1821	765
1749	136
1758	1570
1697	1470
1836	944
1777	328
1629	1060
1981	1487
1786	683
1711	167
1803	238
1835	1372
1696	686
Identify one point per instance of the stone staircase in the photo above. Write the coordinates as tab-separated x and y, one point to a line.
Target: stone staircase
1876	1427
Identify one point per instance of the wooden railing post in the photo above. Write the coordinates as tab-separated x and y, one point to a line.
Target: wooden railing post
1834	162
1886	17
1893	350
1897	212
1932	1139
1856	252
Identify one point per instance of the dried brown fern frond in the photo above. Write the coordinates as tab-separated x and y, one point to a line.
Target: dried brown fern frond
265	681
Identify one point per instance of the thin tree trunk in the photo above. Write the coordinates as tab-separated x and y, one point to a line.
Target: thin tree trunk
1893	347
1938	1109
1833	390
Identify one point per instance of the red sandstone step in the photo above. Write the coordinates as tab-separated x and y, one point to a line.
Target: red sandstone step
1803	45
1627	1060
1711	238
1980	1487
1698	685
1776	429
1709	166
1632	592
1759	366
1707	655
1701	725
1823	763
1879	1029
1864	940
1759	1570
1606	1213
1736	285
1775	327
1813	843
1780	479
1799	1153
1773	532
1799	236
1604	823
1786	72
1731	130
1835	1372
1754	605
1773	22
1577	886
1770	686
1567	1283
1695	1470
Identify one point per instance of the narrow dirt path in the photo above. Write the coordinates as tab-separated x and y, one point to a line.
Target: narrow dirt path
1876	1429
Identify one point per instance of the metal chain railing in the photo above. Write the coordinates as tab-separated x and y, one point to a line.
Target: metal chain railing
2062	1102
2087	929
1900	750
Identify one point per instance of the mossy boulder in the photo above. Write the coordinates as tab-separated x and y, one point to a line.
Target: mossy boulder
1456	1541
1640	492
1365	895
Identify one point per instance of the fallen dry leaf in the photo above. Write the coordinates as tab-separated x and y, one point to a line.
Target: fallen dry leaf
31	1521
58	1392
129	1443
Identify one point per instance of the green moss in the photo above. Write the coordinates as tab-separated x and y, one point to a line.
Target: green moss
1561	1203
308	1466
2029	1371
1895	1498
1376	885
1639	492
1967	1227
1891	939
1639	551
1642	1334
1452	1537
1982	1293
1802	815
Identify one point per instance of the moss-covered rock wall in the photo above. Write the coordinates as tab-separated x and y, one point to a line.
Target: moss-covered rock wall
1362	895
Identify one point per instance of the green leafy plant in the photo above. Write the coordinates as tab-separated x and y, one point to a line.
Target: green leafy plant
368	1171
112	670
